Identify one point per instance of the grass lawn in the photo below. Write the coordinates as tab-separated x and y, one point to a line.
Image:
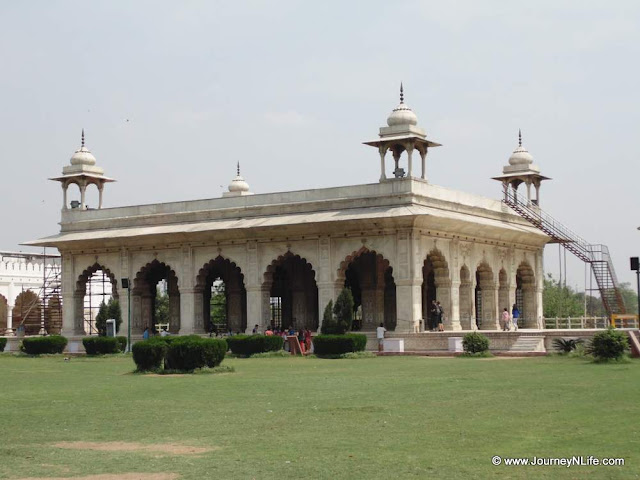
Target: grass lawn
391	417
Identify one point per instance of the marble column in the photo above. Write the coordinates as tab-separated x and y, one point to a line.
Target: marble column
186	322
258	308
408	305
490	317
9	330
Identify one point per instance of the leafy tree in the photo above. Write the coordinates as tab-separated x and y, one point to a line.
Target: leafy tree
343	311
630	297
328	322
218	304
162	307
114	311
108	311
561	301
101	319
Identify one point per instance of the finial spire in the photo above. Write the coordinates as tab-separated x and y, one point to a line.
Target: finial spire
238	168
401	93
82	142
519	137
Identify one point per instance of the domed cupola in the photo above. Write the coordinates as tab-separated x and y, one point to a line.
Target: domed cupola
238	186
83	156
402	114
82	172
521	170
402	136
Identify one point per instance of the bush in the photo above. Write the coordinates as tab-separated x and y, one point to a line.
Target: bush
339	344
149	354
189	353
475	342
247	345
608	345
566	345
100	345
329	325
3	343
122	343
40	345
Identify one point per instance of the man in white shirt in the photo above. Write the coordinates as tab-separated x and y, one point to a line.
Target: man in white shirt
380	335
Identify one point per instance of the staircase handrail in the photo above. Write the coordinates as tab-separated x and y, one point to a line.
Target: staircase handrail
561	231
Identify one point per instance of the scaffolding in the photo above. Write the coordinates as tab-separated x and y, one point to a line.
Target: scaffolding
42	314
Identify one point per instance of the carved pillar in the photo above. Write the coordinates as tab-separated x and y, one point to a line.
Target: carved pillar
258	309
408	305
490	317
452	320
176	306
383	153
136	312
410	160
234	309
83	191
65	187
146	318
423	157
100	189
9	331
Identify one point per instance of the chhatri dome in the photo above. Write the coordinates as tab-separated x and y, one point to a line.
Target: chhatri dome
83	156
237	186
520	160
402	114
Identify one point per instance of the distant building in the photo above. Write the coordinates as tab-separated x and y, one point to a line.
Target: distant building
398	244
22	295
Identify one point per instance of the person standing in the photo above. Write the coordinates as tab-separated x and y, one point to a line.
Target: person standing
505	320
255	329
380	336
515	314
440	317
145	334
433	318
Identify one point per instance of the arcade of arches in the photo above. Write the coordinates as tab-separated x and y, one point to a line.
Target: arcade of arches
291	292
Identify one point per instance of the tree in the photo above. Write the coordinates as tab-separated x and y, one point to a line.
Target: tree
343	311
106	312
162	308
218	304
629	296
328	322
113	309
101	319
561	301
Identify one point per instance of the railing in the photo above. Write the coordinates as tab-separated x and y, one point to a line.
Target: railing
577	323
596	255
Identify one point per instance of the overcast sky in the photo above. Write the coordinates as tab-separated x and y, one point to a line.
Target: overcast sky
173	94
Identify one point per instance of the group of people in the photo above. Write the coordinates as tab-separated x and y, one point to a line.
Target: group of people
436	319
303	335
510	322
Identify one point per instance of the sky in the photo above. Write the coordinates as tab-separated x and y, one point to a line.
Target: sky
172	94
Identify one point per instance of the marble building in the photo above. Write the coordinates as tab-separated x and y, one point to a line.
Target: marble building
398	244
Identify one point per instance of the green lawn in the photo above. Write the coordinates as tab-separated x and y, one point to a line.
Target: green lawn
391	417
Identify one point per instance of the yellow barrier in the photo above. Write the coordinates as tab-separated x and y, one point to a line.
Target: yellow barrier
626	320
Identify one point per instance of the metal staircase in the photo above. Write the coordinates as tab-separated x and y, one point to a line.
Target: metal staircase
595	255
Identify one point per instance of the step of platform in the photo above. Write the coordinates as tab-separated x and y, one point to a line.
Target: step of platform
528	344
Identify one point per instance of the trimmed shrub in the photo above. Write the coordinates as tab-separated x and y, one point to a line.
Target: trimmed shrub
189	353
566	345
475	342
339	344
247	345
608	345
3	343
122	343
149	354
40	345
100	345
